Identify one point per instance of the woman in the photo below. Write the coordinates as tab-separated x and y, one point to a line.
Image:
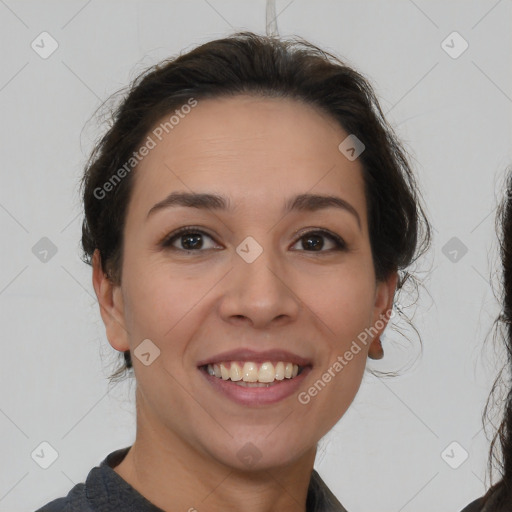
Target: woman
499	497
249	217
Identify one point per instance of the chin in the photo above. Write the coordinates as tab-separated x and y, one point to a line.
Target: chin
260	452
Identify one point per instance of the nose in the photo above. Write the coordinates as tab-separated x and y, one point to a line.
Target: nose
260	293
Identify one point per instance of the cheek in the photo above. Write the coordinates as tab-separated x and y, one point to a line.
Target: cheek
166	308
344	303
155	298
329	396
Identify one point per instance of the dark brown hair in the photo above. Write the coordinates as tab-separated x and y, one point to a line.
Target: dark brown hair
500	494
246	63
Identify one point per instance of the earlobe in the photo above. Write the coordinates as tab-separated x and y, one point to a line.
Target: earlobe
110	301
384	296
376	351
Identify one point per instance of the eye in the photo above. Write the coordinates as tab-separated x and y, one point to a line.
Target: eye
312	241
189	238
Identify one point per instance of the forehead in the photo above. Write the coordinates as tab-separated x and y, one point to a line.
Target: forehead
248	147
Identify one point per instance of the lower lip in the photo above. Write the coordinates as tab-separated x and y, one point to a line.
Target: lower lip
257	396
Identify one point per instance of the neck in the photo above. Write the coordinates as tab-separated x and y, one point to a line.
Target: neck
172	475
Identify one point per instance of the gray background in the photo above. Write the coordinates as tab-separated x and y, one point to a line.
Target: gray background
453	114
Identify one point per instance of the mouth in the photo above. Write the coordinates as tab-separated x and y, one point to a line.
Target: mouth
255	378
253	374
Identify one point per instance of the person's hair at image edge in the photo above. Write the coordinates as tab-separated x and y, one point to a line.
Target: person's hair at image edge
499	496
246	63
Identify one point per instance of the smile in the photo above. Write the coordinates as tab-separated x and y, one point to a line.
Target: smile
255	378
252	374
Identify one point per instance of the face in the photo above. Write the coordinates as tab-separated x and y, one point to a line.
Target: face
247	282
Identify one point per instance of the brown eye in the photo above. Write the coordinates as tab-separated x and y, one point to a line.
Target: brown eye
187	239
314	241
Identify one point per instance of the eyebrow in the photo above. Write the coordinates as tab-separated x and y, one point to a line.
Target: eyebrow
301	203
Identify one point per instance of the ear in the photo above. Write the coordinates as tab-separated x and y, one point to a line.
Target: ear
110	300
384	296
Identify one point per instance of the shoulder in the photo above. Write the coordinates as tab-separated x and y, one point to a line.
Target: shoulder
474	506
85	497
493	501
320	498
75	501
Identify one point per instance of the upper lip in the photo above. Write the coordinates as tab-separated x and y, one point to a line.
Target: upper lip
246	354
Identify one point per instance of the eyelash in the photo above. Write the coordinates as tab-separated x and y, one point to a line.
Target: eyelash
168	241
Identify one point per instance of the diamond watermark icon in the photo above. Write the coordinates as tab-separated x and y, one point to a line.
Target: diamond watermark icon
454	45
249	454
454	455
44	455
454	249
147	352
351	147
44	45
44	250
249	249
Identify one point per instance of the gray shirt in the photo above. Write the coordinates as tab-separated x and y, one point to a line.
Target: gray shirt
105	491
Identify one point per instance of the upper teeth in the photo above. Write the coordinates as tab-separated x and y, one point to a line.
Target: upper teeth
249	372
